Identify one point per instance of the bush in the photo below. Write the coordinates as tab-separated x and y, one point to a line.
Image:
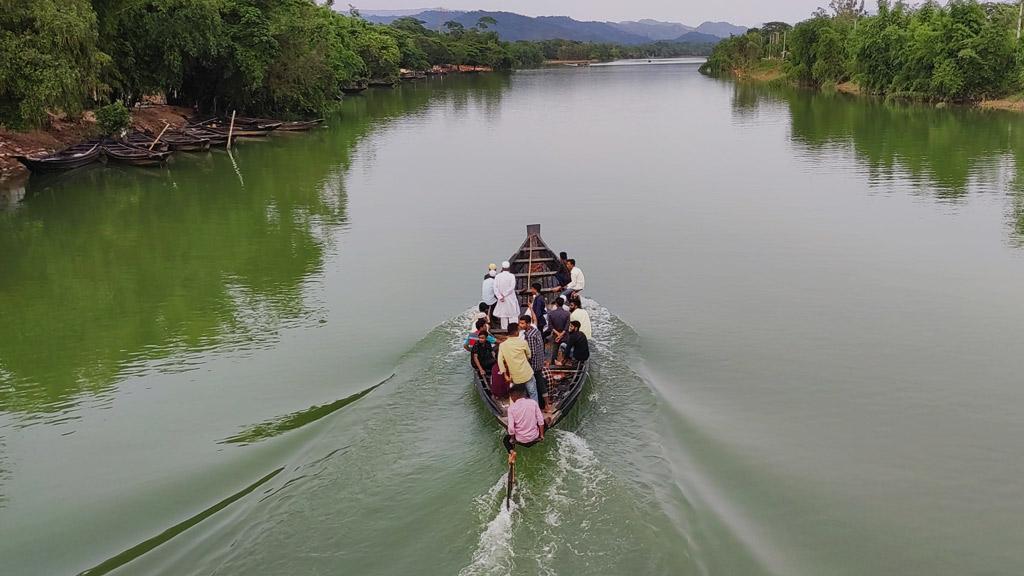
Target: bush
113	118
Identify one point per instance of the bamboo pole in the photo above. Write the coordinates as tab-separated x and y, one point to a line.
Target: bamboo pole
166	126
231	129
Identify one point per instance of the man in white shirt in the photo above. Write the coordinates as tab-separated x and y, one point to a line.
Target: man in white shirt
487	293
576	280
507	308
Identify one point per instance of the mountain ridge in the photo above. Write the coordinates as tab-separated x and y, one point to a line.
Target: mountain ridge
514	27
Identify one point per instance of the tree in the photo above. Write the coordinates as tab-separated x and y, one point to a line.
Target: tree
485	21
454	28
49	60
851	9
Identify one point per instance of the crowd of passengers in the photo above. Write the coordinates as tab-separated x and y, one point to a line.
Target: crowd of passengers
542	345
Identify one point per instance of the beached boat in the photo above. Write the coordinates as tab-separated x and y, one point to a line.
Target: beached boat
535	262
131	155
143	140
66	159
175	141
216	139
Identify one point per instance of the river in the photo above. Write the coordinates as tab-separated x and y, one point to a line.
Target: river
807	307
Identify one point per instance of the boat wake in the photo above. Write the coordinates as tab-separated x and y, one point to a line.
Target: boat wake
534	530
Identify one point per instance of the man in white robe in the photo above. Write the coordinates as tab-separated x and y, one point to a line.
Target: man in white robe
505	291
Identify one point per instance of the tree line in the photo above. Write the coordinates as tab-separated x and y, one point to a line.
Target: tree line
961	51
285	57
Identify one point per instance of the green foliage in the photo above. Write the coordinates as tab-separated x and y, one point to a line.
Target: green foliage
962	51
280	57
49	59
113	118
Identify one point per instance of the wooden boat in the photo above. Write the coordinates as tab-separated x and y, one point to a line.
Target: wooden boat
122	153
171	140
300	125
535	262
143	140
216	139
67	159
241	129
288	126
354	89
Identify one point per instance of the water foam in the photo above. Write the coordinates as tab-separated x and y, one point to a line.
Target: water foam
494	553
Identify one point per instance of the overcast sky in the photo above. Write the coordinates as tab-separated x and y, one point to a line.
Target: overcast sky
693	12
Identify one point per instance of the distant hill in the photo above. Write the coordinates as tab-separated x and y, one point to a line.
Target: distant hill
513	27
721	29
697	38
654	29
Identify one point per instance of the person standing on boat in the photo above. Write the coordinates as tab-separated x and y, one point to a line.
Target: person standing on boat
562	274
525	421
577	313
558	320
576	280
535	341
487	291
538	307
514	361
507	308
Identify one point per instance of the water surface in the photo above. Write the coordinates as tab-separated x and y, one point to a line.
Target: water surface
807	311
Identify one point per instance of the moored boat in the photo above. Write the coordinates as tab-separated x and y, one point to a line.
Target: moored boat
283	126
216	139
535	262
122	153
171	140
354	89
67	159
240	129
143	140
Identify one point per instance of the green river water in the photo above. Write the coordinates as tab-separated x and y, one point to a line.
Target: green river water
808	311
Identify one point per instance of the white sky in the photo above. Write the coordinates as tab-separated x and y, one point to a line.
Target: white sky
692	12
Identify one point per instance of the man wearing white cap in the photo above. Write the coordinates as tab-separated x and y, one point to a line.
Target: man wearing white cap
505	291
487	294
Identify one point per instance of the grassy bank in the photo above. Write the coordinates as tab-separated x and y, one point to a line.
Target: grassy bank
960	52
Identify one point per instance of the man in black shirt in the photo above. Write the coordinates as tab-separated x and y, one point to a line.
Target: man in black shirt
574	346
558	322
482	354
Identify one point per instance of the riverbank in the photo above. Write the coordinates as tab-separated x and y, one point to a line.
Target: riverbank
772	71
63	132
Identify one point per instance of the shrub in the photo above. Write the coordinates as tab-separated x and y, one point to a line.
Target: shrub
113	118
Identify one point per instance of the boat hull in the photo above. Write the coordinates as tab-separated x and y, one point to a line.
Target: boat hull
68	159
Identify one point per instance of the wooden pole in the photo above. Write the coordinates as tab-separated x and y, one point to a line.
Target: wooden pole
166	126
231	129
511	480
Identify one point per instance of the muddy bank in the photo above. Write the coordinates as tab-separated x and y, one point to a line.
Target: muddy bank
63	132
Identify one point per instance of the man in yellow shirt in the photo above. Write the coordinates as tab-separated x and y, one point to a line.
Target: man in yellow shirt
514	361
